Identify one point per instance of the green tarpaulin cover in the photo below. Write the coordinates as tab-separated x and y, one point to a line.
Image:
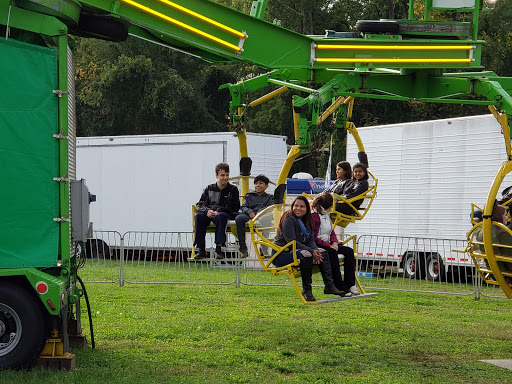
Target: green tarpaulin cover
29	197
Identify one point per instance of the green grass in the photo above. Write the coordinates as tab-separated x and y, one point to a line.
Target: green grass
221	334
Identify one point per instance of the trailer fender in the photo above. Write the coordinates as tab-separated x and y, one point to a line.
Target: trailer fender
51	290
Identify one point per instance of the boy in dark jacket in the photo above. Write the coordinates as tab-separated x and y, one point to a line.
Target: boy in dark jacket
218	203
254	202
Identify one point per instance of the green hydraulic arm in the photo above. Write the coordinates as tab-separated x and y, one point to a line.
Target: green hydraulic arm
218	33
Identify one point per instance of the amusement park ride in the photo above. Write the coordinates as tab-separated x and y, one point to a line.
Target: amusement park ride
402	60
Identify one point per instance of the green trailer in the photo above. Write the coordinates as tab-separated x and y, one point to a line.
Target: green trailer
45	222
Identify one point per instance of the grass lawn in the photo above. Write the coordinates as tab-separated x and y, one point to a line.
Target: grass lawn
220	334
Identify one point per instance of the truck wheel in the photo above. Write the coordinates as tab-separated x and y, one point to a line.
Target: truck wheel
411	264
434	268
23	326
97	249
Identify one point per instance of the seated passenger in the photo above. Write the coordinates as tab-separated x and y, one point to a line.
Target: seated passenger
500	236
477	216
297	224
218	203
343	176
355	187
326	239
254	202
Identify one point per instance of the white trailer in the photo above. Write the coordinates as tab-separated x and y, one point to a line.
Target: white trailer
149	183
429	174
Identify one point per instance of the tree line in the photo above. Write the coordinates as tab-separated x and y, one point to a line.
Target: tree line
137	87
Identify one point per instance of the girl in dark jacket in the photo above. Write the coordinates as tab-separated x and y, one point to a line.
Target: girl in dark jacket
296	224
343	176
356	186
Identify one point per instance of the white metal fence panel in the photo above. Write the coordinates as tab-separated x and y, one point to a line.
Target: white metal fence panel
415	264
99	263
383	262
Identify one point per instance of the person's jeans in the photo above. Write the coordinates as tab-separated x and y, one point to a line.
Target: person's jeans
242	219
202	221
286	258
349	266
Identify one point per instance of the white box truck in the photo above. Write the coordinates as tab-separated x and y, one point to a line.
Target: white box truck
429	173
149	183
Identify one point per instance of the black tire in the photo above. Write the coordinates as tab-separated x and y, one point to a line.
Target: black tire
434	267
97	249
100	27
23	326
377	26
411	265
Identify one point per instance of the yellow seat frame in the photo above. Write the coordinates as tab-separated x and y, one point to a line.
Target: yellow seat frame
342	219
491	272
292	270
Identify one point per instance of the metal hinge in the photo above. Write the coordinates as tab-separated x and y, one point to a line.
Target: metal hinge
61	219
60	92
62	179
60	135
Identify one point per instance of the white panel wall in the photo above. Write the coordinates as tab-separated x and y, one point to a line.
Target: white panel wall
149	183
429	174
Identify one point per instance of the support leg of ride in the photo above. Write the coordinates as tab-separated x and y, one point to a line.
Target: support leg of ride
359	286
53	355
77	341
77	338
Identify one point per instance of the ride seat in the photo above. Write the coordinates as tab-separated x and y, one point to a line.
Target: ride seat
263	237
496	262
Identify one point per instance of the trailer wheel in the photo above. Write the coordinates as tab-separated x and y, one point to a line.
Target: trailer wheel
434	268
411	265
97	249
23	326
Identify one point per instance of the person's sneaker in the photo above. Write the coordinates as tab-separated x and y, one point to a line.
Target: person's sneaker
218	254
244	253
200	254
265	252
348	294
354	290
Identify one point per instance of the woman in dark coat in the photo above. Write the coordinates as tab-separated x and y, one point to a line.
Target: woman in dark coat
297	224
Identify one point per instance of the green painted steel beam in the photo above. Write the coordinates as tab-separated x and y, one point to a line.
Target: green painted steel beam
26	20
218	33
263	44
65	10
153	37
65	224
258	8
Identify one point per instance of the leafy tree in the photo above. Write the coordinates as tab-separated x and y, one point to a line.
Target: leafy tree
139	88
496	30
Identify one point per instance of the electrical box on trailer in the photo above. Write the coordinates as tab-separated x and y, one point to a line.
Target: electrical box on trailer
80	199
